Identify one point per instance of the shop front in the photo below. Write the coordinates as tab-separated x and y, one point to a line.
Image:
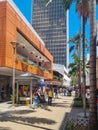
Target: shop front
22	51
24	89
5	88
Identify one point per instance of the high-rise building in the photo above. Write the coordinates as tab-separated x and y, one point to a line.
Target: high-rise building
51	24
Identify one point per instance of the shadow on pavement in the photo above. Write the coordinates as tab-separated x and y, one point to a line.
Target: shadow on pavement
22	111
61	105
30	121
4	128
45	107
63	122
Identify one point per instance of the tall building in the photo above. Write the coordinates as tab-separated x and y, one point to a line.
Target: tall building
51	24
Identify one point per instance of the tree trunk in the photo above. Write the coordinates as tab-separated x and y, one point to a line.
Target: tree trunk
80	57
84	76
93	106
79	78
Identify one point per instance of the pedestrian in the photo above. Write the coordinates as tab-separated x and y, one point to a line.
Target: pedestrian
36	100
64	92
50	95
56	92
0	94
87	96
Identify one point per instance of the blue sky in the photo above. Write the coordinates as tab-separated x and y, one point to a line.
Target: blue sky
74	25
74	21
26	8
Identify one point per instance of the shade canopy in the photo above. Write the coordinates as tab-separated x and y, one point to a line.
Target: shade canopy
42	83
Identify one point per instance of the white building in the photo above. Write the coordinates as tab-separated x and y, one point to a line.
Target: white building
64	72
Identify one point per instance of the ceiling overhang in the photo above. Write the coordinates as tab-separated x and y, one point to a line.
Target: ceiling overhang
25	48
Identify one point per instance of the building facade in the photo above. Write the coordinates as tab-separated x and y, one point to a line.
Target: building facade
63	71
21	49
51	24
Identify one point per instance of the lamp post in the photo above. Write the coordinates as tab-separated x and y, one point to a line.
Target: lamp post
13	43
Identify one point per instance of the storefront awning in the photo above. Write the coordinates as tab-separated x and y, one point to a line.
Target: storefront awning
54	82
42	83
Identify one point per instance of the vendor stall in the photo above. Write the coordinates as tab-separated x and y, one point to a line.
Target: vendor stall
24	89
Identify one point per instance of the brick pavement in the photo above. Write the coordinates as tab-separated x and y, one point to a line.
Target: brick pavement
44	118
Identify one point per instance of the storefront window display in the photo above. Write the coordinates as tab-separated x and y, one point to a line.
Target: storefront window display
24	91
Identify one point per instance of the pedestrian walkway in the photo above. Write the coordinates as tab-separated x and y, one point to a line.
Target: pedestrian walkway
44	118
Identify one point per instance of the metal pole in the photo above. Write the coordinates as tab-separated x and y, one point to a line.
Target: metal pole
17	92
13	98
13	82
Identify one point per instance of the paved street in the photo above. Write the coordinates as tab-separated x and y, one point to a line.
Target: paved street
44	118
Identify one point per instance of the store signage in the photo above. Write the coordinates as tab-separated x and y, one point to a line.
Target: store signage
24	67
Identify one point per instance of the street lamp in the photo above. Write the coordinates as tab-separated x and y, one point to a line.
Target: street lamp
13	43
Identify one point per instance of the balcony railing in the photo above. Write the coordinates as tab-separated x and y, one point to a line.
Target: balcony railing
26	66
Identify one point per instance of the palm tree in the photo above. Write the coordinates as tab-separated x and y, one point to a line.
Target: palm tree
93	107
75	50
74	66
74	69
82	7
83	10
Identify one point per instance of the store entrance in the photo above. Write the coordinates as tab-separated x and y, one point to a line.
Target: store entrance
5	88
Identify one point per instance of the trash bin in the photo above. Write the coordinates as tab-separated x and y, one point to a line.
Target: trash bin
13	99
27	101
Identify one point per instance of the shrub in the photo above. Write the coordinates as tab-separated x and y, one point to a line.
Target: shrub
80	127
69	94
78	99
70	125
77	104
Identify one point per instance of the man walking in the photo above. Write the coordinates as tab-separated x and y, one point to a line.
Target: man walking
50	95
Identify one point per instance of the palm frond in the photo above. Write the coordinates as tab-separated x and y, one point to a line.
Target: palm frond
67	4
75	38
71	48
47	2
82	7
74	54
